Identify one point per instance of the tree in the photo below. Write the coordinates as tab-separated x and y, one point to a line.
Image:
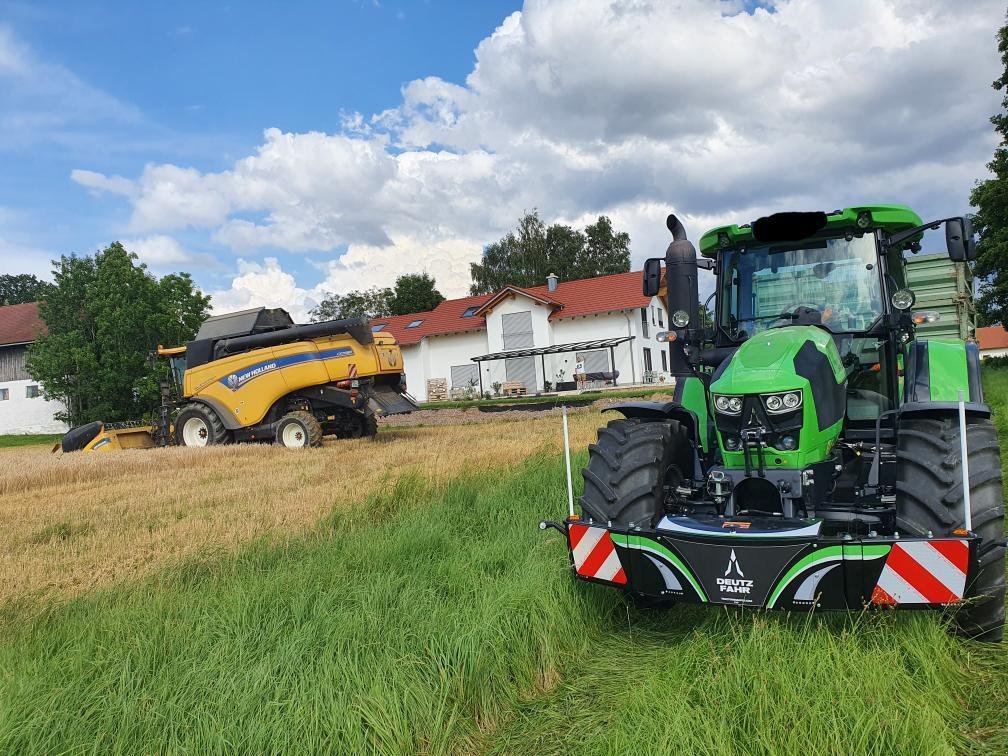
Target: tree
105	315
527	255
990	198
20	288
369	303
414	292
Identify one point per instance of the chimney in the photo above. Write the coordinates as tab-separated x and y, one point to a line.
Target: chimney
552	281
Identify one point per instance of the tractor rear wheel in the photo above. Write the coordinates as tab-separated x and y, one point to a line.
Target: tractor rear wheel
298	430
198	425
930	496
629	468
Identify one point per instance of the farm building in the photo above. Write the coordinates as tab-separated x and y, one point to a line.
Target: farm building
993	341
23	409
536	337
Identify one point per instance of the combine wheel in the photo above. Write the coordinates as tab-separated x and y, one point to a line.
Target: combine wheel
198	425
930	498
629	468
298	430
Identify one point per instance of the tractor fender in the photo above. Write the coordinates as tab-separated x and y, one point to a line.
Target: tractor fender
226	417
658	411
938	369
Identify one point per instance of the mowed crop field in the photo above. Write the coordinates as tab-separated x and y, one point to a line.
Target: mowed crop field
397	596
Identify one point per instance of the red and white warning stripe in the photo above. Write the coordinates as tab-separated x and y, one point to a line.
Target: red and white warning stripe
595	554
353	369
923	572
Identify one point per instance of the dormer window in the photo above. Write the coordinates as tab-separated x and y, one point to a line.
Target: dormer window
377	327
470	312
415	324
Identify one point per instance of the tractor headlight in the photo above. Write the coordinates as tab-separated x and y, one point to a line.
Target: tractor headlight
784	401
903	299
788	443
864	219
730	405
680	318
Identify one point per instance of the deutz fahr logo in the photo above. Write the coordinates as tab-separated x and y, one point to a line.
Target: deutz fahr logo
735	585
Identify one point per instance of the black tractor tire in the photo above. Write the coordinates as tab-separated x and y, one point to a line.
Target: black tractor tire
197	421
629	468
298	430
930	499
353	424
77	438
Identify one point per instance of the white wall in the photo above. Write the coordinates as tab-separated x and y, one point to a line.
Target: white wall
20	415
434	356
993	353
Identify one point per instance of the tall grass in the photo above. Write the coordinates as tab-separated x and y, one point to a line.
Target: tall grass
437	618
73	522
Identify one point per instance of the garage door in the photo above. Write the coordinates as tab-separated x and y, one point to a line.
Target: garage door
596	361
462	374
521	369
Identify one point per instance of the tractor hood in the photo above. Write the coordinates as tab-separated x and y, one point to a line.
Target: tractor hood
792	359
767	362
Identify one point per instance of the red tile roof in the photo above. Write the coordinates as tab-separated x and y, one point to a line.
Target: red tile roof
587	296
20	324
992	337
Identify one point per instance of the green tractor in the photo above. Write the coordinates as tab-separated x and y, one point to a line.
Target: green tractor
817	455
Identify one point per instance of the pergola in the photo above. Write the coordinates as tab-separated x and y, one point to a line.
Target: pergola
541	352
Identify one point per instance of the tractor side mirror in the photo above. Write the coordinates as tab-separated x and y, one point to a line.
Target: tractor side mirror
959	239
652	276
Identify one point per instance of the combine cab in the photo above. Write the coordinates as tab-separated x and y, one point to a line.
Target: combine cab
256	376
818	453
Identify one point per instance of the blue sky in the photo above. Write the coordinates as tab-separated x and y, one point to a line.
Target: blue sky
282	151
201	80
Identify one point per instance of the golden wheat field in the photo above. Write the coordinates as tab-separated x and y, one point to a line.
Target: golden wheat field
73	522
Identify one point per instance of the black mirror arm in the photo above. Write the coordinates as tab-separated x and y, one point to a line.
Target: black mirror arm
897	240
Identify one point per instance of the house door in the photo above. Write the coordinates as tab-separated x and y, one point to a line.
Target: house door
522	369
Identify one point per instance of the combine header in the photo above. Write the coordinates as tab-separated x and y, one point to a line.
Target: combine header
818	453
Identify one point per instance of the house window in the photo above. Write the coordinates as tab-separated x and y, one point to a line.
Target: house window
652	315
644	323
465	376
661	320
4	394
664	360
470	312
647	359
377	327
32	392
517	328
415	324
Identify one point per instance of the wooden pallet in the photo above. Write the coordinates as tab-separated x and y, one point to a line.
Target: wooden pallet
514	388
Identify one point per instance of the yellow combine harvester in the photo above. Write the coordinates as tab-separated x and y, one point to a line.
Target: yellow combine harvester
256	376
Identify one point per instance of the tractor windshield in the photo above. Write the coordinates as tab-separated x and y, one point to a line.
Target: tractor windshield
832	282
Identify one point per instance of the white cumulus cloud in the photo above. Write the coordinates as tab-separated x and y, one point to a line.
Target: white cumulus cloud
630	108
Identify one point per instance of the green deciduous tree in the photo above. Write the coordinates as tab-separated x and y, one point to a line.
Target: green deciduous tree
105	315
990	198
414	292
527	255
369	303
20	288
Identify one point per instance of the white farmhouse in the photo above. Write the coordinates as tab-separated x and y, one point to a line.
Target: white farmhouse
23	409
536	336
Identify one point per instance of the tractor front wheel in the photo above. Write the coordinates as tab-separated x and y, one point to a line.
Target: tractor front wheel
298	430
198	425
630	468
930	500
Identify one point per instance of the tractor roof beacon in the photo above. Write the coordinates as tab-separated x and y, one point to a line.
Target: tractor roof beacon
818	453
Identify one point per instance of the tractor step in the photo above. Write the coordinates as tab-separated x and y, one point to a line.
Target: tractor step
773	564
